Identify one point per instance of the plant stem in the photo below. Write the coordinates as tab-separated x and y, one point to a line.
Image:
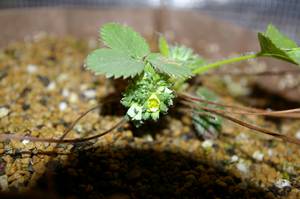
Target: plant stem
204	68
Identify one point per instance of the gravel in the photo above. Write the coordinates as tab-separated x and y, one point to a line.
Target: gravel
159	160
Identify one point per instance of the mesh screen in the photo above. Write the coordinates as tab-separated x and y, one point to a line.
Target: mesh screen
255	14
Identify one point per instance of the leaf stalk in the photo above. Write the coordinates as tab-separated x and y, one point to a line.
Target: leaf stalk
217	64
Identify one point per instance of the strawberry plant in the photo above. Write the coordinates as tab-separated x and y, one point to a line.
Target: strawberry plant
157	79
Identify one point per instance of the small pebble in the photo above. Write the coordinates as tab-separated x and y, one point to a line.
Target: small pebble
298	135
3	112
44	80
148	138
270	152
51	86
242	137
3	183
63	106
207	144
90	93
62	77
234	158
25	142
78	128
32	69
73	98
257	155
65	93
282	183
242	166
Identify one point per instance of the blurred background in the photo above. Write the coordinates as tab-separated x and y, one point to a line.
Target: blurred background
254	14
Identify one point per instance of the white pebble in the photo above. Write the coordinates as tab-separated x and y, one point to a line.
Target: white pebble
90	93
32	69
207	144
270	152
148	138
298	135
78	128
257	155
242	137
65	92
63	106
62	77
242	166
282	183
93	102
83	87
51	86
25	142
3	112
234	158
73	98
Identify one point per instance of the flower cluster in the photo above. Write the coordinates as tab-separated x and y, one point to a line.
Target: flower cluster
147	96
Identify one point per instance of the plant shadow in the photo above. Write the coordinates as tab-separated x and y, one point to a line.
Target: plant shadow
135	173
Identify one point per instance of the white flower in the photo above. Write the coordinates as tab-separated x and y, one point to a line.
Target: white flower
135	112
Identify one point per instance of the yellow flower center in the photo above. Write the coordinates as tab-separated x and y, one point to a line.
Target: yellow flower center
153	103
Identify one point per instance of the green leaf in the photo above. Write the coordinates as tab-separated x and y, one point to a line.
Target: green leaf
163	46
275	44
295	54
207	126
279	39
113	63
123	38
186	56
168	66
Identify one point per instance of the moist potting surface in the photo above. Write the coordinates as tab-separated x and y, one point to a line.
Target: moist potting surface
44	88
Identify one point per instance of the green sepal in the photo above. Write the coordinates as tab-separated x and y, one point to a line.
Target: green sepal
163	46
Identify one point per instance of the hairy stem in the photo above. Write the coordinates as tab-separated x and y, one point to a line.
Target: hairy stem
290	113
281	114
259	73
253	127
204	68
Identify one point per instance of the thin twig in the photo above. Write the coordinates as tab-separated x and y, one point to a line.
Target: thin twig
4	137
253	127
290	113
280	114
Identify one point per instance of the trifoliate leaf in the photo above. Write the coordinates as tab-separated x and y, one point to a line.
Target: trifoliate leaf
123	38
275	44
207	126
168	66
163	46
113	63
